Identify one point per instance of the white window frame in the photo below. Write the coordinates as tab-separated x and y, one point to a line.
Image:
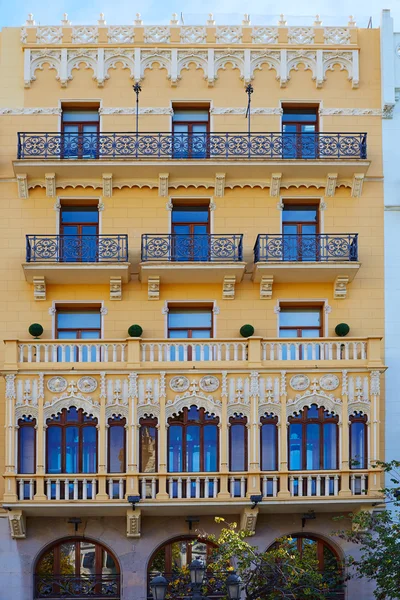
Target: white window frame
326	309
212	303
88	304
98	101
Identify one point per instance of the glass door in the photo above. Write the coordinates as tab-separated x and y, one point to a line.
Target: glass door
300	233
190	133
79	240
190	234
299	128
80	130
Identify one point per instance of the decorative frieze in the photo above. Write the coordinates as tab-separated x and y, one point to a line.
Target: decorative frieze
85	35
228	35
265	35
121	34
49	35
301	35
336	35
193	35
157	34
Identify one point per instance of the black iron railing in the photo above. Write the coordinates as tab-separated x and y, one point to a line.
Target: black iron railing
96	587
77	248
207	247
195	146
180	588
322	247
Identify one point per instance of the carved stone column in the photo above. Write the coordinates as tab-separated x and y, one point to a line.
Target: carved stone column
223	435
283	451
162	452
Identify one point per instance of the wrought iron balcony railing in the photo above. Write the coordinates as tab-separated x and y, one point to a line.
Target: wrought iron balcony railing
78	587
207	247
196	146
77	248
322	247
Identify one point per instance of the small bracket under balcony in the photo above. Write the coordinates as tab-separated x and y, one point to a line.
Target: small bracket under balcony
340	287
39	288
133	523
266	285
248	520
115	288
16	519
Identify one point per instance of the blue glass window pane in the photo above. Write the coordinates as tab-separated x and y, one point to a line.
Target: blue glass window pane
78	116
313	412
26	449
72	414
300	317
304	116
238	433
71	449
296	214
78	320
175	448
53	450
193	413
116	440
89	450
312	446
193	448
148	449
189	318
210	448
295	446
74	214
190	215
357	449
330	445
190	115
268	450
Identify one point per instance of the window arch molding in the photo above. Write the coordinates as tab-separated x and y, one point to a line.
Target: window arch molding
321	400
104	562
213	407
57	406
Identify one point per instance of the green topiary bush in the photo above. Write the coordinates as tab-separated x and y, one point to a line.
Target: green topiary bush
135	331
342	329
247	331
35	330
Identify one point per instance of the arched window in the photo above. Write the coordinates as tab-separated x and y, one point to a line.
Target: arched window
172	560
313	439
269	442
71	442
329	563
116	444
77	568
193	442
26	445
238	443
148	455
358	441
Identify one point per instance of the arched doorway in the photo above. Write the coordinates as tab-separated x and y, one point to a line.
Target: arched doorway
329	562
77	568
172	560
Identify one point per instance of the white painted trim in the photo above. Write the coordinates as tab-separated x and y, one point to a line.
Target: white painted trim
213	303
87	303
323	301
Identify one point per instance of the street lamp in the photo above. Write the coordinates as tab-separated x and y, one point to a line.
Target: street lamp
137	89
233	585
197	571
158	587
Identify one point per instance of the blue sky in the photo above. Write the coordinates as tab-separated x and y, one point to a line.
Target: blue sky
49	12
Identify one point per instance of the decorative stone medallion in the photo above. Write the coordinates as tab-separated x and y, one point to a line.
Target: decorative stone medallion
299	382
57	384
329	382
87	384
179	384
209	383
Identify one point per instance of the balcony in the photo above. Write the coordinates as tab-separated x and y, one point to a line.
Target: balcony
71	586
255	155
292	258
65	259
198	258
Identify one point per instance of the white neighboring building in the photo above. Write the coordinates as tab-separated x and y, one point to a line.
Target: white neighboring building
390	56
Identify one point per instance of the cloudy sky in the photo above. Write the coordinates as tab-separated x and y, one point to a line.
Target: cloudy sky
49	12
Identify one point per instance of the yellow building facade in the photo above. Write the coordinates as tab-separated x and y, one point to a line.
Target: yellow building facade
186	218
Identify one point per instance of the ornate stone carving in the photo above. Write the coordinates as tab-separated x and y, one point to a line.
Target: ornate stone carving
133	385
248	520
266	286
179	383
271	58
24	35
219	189
10	386
117	56
121	34
193	396
219	110
228	287
147	110
375	383
87	384
345	59
57	384
358	181
155	56
50	179
233	57
224	383
22	182
275	188
388	110
157	34
209	383
193	35
16	520
283	383
340	287
299	382
344	383
307	58
265	35
163	185
350	112
228	35
39	288
153	288
133	523
329	382
330	187
336	35
301	35
314	396
30	111
49	35
85	35
115	288
82	56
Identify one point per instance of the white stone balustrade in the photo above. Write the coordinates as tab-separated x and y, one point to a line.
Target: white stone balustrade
193	486
314	485
316	350
71	488
196	351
